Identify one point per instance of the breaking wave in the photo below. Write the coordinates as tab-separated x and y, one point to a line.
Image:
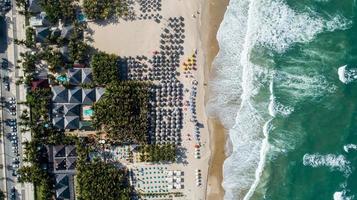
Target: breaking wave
250	24
347	148
346	75
334	162
341	195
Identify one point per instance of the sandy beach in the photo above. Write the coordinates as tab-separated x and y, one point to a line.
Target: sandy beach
142	37
213	10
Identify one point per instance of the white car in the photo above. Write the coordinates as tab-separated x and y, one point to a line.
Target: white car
12	100
7	86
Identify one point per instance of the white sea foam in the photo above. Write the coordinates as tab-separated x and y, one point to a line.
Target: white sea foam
338	22
334	162
247	24
285	141
261	165
323	1
341	195
346	75
341	74
280	26
338	196
272	104
275	107
347	148
304	86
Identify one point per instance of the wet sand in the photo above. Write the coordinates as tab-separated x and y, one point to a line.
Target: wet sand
213	13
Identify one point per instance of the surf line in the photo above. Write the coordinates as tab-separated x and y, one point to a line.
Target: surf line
265	146
246	95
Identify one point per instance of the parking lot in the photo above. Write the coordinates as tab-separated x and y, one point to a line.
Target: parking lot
12	139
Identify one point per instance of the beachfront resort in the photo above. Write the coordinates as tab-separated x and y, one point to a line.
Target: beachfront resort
115	91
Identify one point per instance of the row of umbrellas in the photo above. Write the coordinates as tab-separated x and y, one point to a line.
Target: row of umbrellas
192	103
165	105
150	5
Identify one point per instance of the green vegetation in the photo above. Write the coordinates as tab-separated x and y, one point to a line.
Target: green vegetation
29	62
53	58
25	120
30	36
23	5
29	42
32	174
56	10
105	68
42	133
39	102
40	178
79	51
99	180
122	112
104	9
2	195
158	153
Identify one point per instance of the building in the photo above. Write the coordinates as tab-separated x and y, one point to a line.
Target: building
72	107
39	20
42	83
62	158
34	6
62	161
63	186
67	31
79	76
65	52
42	34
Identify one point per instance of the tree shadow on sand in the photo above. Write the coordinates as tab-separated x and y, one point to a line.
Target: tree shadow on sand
101	22
181	155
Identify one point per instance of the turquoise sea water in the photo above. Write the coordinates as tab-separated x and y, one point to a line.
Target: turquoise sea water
291	104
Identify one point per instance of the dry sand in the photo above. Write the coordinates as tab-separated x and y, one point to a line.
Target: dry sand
141	37
128	38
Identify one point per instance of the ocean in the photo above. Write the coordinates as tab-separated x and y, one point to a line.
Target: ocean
285	87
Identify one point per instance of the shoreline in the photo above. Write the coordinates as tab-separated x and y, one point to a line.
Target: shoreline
212	16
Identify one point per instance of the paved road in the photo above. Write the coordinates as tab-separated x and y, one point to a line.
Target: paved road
11	144
12	149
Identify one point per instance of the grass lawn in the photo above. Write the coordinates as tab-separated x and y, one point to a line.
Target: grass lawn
38	193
